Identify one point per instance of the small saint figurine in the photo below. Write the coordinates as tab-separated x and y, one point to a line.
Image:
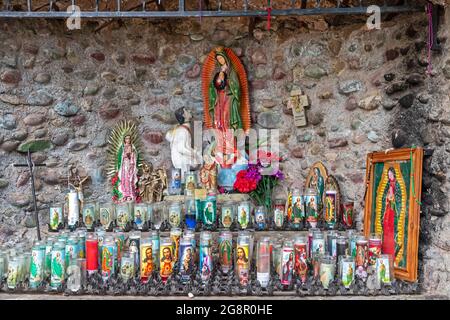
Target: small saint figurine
124	160
183	155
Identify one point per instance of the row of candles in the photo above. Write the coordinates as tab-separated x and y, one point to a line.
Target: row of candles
191	213
69	257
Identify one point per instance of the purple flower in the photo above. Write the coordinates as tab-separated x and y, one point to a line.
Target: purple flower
279	175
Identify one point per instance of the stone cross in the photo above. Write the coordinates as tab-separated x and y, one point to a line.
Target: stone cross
31	165
297	102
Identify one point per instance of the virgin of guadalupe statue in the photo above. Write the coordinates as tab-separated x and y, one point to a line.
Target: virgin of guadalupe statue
123	162
226	100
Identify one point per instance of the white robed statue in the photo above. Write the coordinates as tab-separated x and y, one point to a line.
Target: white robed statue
183	155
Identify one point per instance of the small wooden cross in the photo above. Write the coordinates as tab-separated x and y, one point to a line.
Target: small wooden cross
31	165
297	102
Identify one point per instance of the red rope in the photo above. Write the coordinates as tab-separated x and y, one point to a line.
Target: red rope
269	11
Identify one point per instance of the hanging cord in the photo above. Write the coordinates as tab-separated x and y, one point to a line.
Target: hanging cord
269	11
430	35
412	175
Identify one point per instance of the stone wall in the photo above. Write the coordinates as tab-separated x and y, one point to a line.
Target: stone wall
62	92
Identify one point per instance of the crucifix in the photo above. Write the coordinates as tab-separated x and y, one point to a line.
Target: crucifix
31	165
297	102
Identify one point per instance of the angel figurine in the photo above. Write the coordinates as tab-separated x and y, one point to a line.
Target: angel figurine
124	160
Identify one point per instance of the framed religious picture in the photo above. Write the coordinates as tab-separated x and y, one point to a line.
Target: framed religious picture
316	179
392	208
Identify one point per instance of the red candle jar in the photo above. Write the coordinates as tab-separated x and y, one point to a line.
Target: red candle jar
91	253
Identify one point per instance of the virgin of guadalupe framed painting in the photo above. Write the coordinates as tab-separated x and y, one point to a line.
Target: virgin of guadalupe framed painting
392	208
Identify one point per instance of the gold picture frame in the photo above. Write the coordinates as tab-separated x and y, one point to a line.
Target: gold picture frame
394	183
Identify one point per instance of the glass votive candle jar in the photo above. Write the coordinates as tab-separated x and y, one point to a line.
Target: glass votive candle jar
327	270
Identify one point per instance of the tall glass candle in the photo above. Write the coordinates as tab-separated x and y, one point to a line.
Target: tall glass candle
127	270
167	260
91	252
287	263
186	259
348	215
108	252
134	245
384	269
107	215
190	212
263	262
209	214
206	258
318	243
300	252
37	264
243	258
71	250
243	214
140	215
155	246
89	215
175	214
374	247
327	270
260	218
330	209
362	257
123	215
48	256
56	218
311	207
225	243
58	267
278	213
341	246
298	209
331	243
347	270
73	209
146	259
13	272
227	214
175	235
310	240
